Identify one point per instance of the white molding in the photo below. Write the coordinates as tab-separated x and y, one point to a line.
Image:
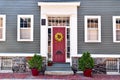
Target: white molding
114	29
113	73
6	71
58	3
4	27
86	28
100	55
18	27
17	54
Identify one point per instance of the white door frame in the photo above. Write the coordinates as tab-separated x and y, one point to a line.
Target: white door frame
59	8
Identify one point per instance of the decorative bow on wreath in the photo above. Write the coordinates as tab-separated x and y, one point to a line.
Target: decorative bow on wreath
59	37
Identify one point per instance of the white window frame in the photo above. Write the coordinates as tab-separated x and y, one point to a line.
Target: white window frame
114	29
18	27
86	28
4	28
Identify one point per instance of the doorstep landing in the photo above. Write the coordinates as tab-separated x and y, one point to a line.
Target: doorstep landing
59	72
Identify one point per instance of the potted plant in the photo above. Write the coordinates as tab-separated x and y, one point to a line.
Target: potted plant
35	64
86	64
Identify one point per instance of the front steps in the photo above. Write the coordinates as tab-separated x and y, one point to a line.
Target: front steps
59	69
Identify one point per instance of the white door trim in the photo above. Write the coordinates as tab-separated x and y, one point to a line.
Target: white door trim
65	9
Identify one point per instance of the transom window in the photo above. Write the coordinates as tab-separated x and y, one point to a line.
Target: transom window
116	28
92	29
58	21
2	27
25	28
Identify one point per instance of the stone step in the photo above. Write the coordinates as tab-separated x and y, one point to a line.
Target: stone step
59	72
59	67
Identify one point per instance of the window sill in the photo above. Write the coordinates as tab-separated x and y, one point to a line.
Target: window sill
92	41
25	40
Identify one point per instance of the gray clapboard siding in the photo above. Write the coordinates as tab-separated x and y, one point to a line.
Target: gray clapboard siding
12	8
106	9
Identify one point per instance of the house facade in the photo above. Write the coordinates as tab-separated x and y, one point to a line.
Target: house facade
60	30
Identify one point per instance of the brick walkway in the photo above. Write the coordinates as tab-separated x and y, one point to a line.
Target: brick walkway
63	77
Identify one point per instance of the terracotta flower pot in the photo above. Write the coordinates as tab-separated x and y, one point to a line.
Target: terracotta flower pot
50	63
88	72
35	72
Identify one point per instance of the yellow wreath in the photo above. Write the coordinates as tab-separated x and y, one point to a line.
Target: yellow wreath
59	37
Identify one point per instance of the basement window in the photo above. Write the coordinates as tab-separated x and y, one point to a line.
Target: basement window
5	63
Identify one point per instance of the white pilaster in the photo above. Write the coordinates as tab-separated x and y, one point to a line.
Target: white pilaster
43	36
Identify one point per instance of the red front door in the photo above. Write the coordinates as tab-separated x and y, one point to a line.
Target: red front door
59	44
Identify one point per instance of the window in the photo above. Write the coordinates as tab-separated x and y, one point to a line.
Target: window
49	42
92	28
2	27
68	42
25	28
5	63
116	28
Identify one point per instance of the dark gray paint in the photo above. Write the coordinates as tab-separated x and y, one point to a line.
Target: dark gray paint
105	8
12	8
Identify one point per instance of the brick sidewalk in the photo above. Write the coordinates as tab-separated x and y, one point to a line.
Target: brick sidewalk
63	77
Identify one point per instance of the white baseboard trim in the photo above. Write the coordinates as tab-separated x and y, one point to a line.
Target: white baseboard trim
17	54
113	73
6	71
100	55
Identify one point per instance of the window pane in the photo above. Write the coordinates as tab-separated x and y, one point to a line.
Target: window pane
25	22
21	22
1	22
92	34
118	35
49	31
117	23
49	42
92	23
1	31
29	20
25	34
68	42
